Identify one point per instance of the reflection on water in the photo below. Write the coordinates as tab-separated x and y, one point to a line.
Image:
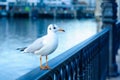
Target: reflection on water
21	32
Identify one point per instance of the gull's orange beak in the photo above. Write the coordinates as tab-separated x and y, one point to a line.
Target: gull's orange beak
62	30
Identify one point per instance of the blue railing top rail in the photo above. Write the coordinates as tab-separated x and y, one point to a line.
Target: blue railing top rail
64	58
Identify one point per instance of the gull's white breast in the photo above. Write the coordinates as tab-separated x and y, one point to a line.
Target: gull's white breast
50	43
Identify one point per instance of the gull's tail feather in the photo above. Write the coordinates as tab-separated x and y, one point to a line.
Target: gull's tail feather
21	49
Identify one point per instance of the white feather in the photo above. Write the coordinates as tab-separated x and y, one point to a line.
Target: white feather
36	45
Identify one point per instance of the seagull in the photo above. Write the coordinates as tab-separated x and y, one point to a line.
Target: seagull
45	45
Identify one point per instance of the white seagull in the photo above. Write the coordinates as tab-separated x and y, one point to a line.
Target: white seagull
45	45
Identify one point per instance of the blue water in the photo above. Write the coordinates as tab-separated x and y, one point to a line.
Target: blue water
15	33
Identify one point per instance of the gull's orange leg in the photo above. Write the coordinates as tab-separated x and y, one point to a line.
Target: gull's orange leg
47	67
41	67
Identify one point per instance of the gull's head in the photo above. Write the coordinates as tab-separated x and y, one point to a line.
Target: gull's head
54	28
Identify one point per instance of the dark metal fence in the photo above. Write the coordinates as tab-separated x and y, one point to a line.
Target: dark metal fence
85	61
117	39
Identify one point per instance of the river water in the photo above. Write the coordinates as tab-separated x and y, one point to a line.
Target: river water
16	33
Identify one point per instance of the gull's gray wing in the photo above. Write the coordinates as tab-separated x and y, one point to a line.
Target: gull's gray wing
36	45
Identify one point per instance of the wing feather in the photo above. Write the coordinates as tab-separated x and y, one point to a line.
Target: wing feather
36	45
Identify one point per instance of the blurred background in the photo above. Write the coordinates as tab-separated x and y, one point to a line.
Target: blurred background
51	8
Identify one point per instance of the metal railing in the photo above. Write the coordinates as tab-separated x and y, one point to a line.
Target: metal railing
85	61
117	41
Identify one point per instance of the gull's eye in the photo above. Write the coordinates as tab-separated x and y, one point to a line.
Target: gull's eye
49	28
54	27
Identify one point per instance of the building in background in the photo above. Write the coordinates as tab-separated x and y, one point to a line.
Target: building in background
90	3
3	7
66	6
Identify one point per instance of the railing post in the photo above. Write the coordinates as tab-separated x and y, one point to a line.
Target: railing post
109	18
